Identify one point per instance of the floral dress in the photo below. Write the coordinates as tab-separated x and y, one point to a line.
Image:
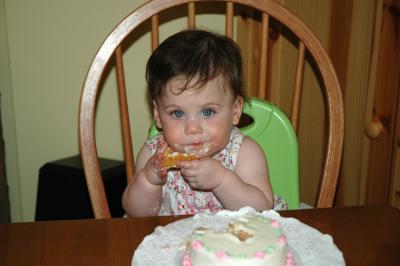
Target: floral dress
178	198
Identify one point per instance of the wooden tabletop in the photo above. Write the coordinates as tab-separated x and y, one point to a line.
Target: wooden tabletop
368	235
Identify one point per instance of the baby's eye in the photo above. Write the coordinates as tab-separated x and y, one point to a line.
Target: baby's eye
206	112
177	113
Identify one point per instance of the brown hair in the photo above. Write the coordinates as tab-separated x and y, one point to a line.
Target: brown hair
195	54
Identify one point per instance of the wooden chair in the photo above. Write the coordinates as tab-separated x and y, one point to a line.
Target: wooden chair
307	42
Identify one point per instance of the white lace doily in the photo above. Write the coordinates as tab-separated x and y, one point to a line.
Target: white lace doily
165	246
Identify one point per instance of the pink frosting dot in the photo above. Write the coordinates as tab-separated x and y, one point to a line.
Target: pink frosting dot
186	263
259	254
275	223
282	239
221	255
186	260
289	259
196	244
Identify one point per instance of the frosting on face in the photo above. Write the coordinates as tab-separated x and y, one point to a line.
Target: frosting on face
199	149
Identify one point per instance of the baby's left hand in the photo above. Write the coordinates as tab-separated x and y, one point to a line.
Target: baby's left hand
203	174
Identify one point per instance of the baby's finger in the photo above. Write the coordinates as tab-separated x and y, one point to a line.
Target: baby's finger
159	154
188	173
161	142
187	164
188	178
161	145
163	173
159	157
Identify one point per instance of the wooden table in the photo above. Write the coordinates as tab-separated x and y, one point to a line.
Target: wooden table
368	235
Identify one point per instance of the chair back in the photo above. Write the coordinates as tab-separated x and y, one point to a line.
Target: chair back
274	132
308	44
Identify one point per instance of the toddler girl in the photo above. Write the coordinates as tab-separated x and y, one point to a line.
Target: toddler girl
195	80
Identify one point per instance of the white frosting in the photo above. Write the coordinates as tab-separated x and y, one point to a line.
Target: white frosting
197	149
250	240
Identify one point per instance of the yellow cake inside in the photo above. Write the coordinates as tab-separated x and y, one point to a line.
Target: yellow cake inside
171	158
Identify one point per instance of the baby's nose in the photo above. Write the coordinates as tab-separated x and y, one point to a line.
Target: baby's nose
193	127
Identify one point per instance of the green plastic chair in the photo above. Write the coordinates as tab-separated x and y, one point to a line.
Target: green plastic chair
273	131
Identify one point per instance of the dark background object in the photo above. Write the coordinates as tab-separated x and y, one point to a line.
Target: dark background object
63	194
5	215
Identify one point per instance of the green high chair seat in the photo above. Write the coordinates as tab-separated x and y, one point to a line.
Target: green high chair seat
273	131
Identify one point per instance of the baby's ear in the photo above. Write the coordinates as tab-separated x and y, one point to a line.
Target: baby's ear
237	110
156	115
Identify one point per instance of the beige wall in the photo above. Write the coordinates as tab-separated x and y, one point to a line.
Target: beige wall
50	44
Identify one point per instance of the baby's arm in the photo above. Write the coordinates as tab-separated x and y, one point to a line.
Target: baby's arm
248	184
142	196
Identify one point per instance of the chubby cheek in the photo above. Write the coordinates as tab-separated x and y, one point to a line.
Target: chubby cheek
219	137
173	135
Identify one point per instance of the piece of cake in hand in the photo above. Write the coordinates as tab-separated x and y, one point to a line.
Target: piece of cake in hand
250	240
171	158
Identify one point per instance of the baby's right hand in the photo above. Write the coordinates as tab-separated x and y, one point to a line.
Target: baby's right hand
159	176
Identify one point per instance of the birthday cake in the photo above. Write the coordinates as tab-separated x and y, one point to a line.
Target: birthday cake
249	240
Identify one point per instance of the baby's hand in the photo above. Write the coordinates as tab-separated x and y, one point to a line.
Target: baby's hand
204	174
157	174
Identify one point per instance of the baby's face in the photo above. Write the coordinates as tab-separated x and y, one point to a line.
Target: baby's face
197	120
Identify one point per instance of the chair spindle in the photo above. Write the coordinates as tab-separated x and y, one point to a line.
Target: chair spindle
263	57
294	117
191	16
123	108
154	32
229	20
